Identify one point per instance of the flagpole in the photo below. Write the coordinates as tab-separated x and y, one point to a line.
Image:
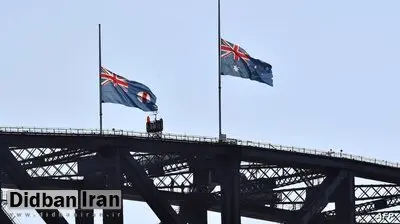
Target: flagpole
219	67
100	97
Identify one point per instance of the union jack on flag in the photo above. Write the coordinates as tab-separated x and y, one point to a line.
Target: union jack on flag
234	49
110	77
235	61
119	90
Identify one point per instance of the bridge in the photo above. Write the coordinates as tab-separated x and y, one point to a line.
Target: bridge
277	183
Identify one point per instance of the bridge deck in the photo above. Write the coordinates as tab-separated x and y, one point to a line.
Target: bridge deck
186	138
183	145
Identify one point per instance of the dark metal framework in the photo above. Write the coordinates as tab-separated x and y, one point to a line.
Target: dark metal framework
284	186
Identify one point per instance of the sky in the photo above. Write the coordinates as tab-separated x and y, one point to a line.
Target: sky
335	66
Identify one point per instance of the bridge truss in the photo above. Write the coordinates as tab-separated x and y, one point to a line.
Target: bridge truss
263	181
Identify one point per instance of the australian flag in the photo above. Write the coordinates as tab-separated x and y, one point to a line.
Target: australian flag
236	62
117	89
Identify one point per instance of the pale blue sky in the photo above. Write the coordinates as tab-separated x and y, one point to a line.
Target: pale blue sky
336	70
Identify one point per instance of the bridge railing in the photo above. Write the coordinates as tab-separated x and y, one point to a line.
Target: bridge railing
191	138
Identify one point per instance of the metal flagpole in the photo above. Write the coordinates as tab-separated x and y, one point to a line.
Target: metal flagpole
100	97
219	66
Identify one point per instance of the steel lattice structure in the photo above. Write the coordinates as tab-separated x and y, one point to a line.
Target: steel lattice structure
198	174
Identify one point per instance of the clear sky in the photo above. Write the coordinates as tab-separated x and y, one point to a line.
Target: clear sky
336	70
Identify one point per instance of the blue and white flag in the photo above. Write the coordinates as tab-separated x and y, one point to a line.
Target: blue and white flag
235	61
119	90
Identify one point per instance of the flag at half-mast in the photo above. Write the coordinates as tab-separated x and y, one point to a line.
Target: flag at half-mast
119	90
235	61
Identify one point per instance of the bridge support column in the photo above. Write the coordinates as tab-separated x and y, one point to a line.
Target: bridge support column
101	172
93	180
113	181
230	189
201	181
194	209
345	201
84	216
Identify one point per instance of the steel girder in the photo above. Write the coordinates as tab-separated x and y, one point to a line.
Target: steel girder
383	196
319	198
40	161
273	214
374	191
4	216
263	153
158	204
257	212
167	162
361	192
177	176
165	169
267	213
21	178
379	217
375	205
284	176
193	209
